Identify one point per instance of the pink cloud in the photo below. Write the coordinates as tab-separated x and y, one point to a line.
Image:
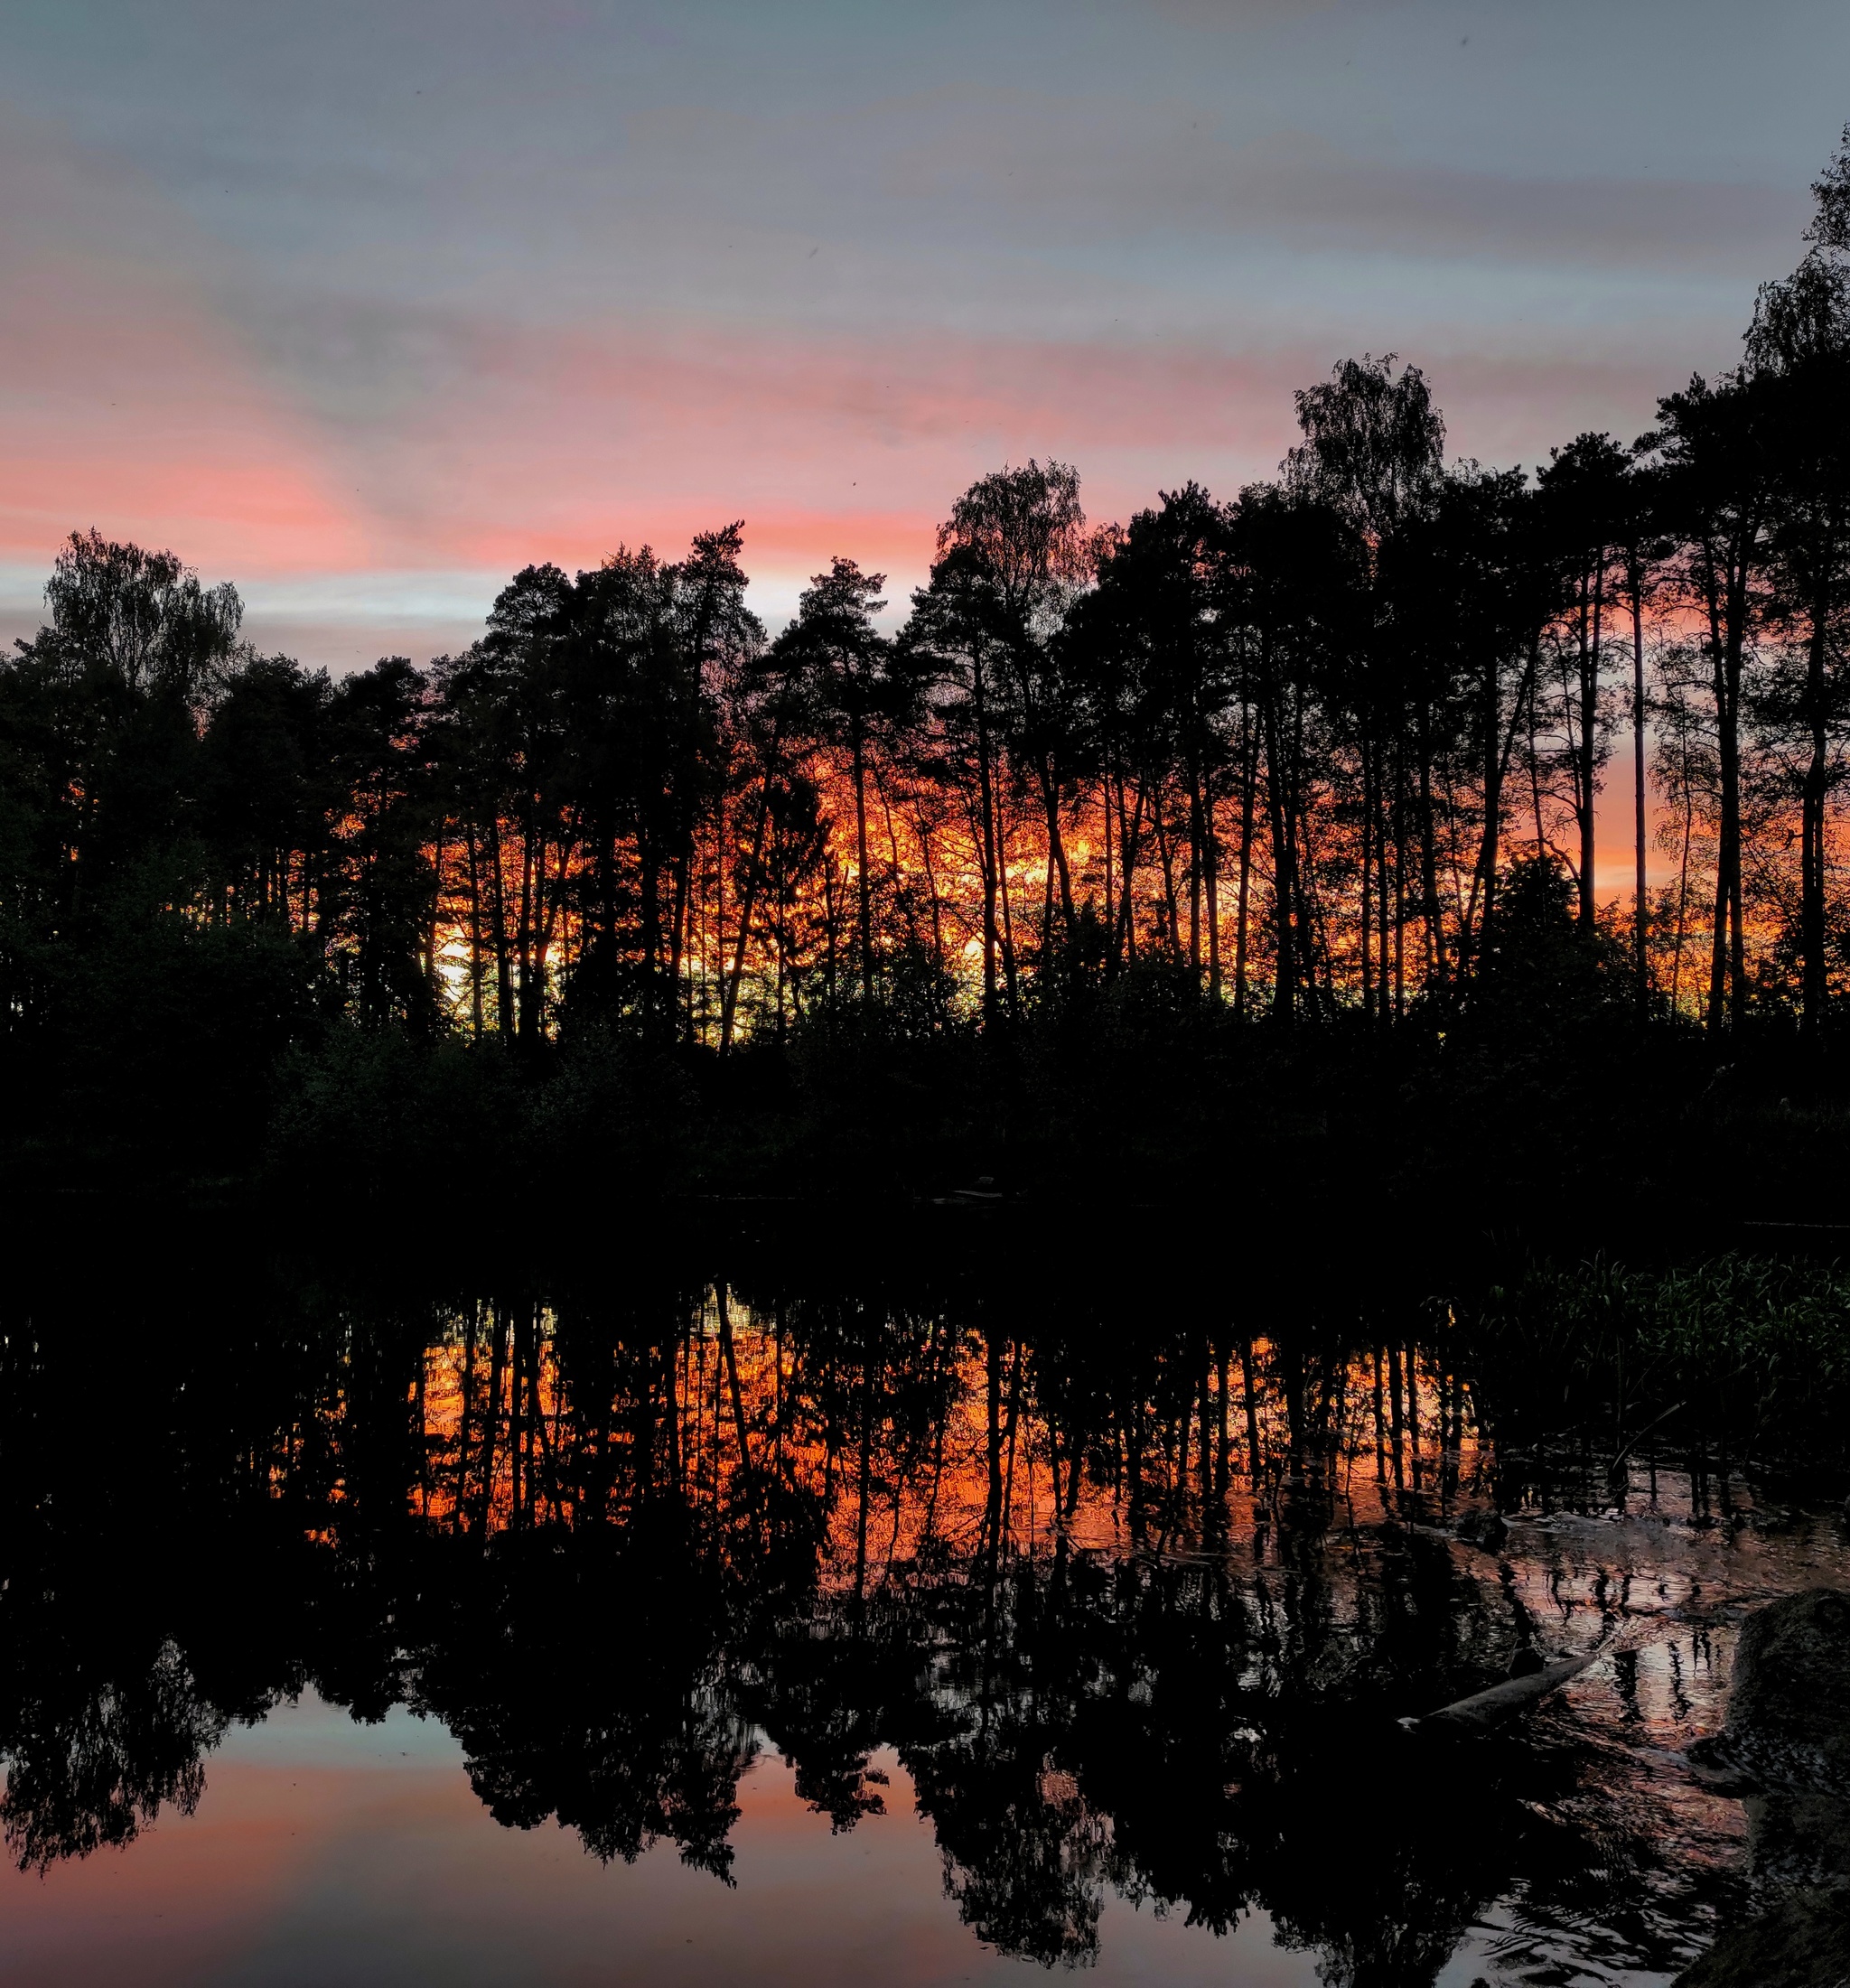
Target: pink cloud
132	401
128	407
126	401
561	443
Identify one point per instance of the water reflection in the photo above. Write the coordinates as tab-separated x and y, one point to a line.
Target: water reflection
1133	1592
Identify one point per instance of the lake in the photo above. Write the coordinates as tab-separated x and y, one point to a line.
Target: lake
696	1617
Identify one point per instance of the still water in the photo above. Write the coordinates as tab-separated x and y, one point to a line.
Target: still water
712	1628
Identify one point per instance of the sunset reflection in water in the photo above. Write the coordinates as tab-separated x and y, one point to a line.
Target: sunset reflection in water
850	1636
912	1435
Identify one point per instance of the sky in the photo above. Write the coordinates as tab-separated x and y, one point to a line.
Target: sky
365	306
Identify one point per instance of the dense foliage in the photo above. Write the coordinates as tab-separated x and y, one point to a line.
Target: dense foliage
1745	1354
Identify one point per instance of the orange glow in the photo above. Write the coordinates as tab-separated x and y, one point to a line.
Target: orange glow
911	1469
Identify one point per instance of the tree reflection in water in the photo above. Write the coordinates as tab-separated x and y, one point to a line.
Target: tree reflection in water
1135	1588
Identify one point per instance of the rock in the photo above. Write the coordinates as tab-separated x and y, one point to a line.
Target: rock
1787	1738
1799	1843
1789	1702
1804	1943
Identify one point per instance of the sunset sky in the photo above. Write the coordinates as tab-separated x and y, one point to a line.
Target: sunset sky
363	306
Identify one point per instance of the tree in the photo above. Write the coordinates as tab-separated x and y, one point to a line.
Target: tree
1010	559
1830	222
1586	507
842	666
385	922
1297	576
1798	362
502	733
106	703
269	794
1373	451
1710	447
1470	587
1374	444
1163	669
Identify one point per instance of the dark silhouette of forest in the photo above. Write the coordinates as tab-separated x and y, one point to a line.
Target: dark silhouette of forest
1251	841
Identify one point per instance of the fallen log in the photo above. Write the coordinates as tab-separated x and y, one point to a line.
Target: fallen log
1485	1710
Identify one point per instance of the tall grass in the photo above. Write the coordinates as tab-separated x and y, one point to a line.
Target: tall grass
1748	1353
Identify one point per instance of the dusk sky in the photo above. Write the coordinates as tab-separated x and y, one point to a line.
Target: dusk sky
365	306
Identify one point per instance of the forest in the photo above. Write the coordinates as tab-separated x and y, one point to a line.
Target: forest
1258	835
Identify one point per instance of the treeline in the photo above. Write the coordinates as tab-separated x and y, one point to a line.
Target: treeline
1322	753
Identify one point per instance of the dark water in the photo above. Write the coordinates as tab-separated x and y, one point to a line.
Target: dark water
730	1624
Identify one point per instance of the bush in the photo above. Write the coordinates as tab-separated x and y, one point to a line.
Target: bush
370	1113
1748	1351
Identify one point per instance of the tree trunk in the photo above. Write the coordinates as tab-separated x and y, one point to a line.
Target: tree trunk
1640	904
1430	913
1056	844
1211	880
987	785
863	881
1812	835
475	1014
1130	840
504	979
1009	977
1284	867
1593	603
1249	776
1110	908
1727	976
523	938
729	1003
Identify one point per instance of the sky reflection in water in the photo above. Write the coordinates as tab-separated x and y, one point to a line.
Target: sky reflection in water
910	1701
324	1852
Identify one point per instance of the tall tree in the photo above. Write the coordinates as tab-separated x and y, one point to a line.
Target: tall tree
843	665
1373	451
384	923
1157	630
1013	555
1798	363
1297	583
109	700
504	701
1711	446
1586	505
